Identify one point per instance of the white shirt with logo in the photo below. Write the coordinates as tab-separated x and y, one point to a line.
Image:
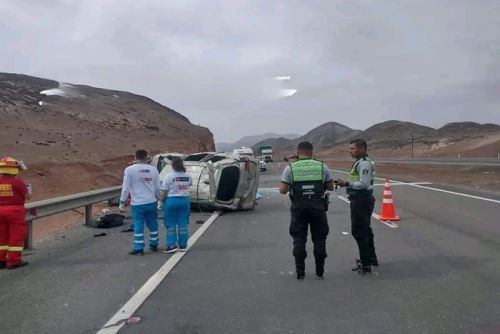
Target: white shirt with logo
142	181
177	184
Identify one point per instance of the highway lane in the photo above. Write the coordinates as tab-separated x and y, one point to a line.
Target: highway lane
438	273
75	281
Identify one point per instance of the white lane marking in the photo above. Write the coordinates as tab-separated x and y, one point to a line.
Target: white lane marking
119	319
435	189
459	194
374	215
391	225
402	184
343	198
378	178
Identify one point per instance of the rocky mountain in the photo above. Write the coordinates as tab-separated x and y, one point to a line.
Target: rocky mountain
278	144
45	119
328	134
460	130
249	141
396	133
325	135
394	138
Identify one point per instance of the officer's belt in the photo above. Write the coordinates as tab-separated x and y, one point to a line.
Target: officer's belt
307	197
359	192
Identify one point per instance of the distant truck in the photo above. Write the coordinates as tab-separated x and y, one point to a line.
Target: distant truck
243	151
265	153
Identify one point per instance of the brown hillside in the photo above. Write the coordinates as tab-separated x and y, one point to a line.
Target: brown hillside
460	130
45	120
325	135
395	134
76	138
394	139
486	146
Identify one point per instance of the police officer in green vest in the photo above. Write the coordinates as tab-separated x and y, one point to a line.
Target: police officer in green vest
359	188
307	179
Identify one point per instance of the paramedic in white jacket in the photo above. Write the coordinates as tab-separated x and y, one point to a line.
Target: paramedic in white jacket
176	208
142	182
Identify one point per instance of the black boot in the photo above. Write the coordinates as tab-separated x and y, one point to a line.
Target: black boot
320	269
362	269
300	270
300	254
366	270
357	265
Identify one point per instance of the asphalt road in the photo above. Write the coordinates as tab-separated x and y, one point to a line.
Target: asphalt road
439	273
76	281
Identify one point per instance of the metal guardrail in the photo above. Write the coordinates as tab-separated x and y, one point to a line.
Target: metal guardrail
48	207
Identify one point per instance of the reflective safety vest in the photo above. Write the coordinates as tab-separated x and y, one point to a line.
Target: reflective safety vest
355	177
307	179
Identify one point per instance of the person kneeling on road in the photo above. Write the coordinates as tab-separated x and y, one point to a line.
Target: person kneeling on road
142	182
176	207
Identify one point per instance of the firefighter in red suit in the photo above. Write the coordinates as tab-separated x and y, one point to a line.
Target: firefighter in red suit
13	228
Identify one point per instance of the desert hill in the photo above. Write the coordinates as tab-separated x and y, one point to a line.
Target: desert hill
249	141
76	138
45	119
325	135
328	134
460	130
395	134
394	138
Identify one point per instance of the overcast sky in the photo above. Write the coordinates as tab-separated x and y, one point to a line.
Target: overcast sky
234	66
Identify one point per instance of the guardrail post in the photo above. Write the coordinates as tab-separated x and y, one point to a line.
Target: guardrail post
28	241
88	214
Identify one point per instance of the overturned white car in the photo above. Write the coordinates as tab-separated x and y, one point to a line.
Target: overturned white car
220	180
162	160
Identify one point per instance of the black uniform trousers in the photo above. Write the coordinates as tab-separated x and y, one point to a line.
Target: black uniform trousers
361	213
309	213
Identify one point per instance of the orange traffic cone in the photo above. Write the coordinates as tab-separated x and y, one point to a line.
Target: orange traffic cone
388	211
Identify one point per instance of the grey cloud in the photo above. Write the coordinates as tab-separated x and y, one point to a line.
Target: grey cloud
355	62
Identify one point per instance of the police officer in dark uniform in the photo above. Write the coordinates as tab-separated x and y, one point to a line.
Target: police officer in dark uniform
307	179
359	188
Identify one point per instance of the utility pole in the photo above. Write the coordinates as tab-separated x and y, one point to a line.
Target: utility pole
412	146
